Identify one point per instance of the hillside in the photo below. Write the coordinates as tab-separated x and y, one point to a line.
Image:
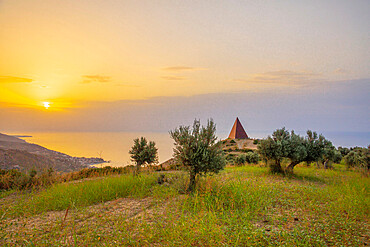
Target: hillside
241	206
16	153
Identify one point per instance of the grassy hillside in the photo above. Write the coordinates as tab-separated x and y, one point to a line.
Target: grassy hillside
238	207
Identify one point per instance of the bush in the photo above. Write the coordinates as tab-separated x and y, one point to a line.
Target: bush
252	157
197	149
297	149
358	158
143	153
240	160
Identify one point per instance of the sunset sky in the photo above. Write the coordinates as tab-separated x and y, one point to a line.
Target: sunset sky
119	65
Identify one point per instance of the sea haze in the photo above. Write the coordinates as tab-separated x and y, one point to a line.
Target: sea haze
114	146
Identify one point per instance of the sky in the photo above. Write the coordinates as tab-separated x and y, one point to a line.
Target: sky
153	65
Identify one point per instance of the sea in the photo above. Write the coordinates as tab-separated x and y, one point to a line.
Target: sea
114	146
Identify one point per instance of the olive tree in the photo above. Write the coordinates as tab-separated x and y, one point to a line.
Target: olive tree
198	150
358	157
143	153
275	148
315	145
296	150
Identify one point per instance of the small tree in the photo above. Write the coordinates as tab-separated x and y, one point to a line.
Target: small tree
143	153
358	157
198	150
315	145
296	152
297	149
275	149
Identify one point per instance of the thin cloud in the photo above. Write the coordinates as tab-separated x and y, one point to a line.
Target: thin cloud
340	71
281	77
181	68
14	79
95	78
126	85
173	78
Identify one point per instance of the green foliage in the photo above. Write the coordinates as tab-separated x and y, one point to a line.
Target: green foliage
242	206
275	148
143	152
233	141
240	160
14	179
249	157
198	150
66	195
358	157
252	157
315	145
256	141
285	145
343	151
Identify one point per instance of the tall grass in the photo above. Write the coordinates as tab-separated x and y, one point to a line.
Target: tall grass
80	194
241	206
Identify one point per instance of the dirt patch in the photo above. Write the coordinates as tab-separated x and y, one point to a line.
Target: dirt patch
73	222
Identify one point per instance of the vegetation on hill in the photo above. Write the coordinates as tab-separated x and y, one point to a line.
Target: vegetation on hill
197	149
143	152
243	205
18	154
240	206
295	148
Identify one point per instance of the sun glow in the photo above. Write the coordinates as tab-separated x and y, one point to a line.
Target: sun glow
46	105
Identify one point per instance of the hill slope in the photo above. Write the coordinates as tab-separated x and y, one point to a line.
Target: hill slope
16	153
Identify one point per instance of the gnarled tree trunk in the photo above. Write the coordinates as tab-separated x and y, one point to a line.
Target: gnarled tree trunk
291	166
276	167
192	181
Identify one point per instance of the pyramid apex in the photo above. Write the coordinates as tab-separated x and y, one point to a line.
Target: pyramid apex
238	132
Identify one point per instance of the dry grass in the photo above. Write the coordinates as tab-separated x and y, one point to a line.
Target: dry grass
242	206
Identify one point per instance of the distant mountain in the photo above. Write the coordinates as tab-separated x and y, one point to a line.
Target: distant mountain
16	153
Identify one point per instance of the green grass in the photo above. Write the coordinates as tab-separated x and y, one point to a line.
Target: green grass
80	194
241	206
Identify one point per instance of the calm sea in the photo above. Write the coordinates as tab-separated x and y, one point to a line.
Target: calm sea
114	146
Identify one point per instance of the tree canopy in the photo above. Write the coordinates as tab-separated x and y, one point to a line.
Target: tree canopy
197	149
284	145
143	152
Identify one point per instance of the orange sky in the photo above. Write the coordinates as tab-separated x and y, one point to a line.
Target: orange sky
76	53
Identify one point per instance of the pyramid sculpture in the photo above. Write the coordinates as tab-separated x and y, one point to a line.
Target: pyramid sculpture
238	132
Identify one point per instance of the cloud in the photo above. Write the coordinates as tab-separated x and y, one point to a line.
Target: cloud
281	77
181	68
173	78
340	71
95	78
126	85
14	79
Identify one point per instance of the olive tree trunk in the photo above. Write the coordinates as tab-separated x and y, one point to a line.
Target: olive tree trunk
192	181
291	166
276	167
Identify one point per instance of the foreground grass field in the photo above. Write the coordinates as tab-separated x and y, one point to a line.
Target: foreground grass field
238	207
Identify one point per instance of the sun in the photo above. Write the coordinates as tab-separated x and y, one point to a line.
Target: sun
46	105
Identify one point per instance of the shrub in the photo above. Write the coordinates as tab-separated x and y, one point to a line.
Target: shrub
358	157
252	157
285	145
197	149
240	160
143	153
